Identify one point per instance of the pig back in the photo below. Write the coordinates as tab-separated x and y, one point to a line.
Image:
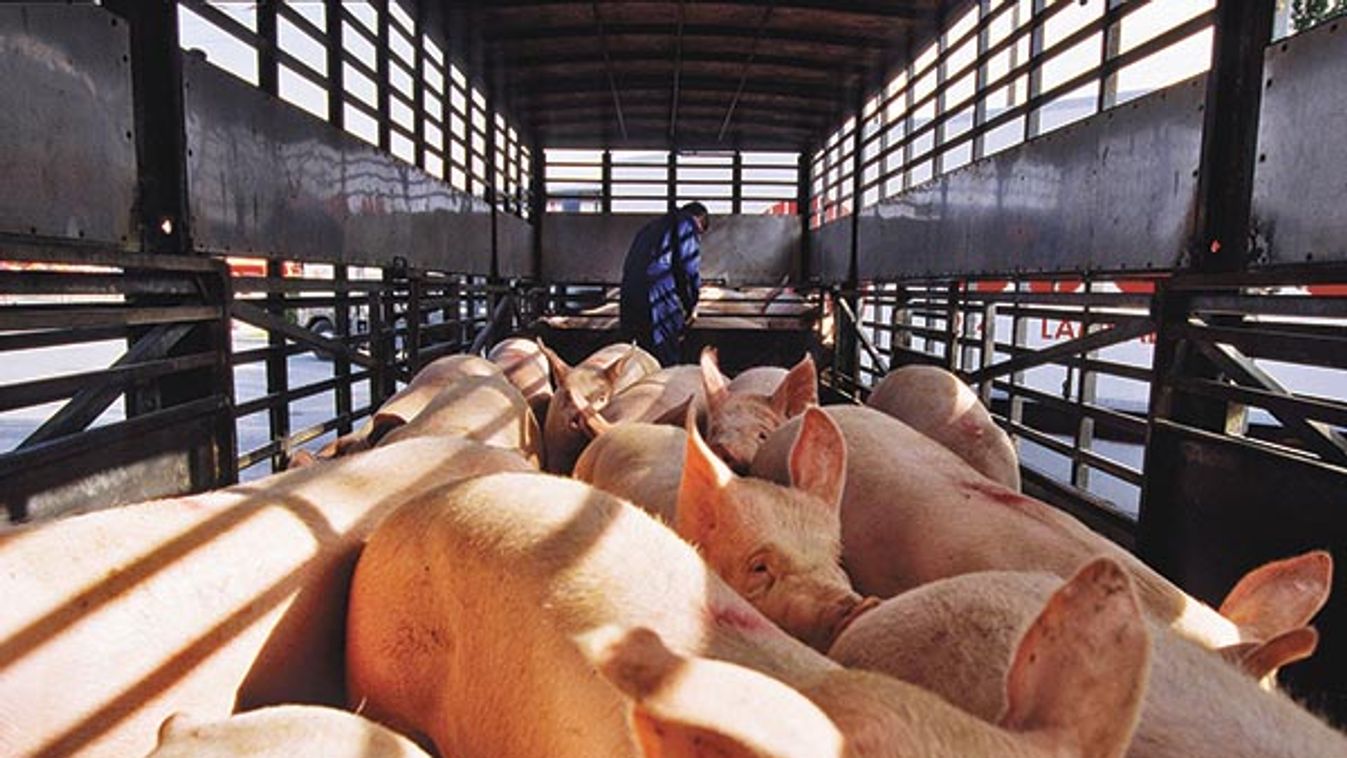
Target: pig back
940	405
658	397
114	620
913	511
465	602
486	409
956	637
638	462
527	368
283	731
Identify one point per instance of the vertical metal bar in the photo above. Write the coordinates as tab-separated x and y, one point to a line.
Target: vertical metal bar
383	85
988	350
803	202
1108	88
377	347
1241	31
336	78
672	180
980	81
341	367
1033	119
268	70
1019	327
1085	394
418	83
278	379
606	177
537	209
951	325
1230	134
938	134
909	121
737	183
413	339
164	219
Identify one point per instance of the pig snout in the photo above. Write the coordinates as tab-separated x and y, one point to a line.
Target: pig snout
817	614
851	614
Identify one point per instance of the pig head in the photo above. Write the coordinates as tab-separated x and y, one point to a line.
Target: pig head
583	391
1073	687
738	422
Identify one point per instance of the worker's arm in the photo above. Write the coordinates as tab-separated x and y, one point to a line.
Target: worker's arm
687	265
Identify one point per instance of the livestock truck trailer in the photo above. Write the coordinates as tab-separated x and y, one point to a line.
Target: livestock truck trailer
1121	222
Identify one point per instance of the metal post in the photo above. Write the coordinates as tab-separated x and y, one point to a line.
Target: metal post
737	183
1033	117
164	219
382	86
341	367
268	70
335	78
1242	29
278	379
606	185
672	179
803	199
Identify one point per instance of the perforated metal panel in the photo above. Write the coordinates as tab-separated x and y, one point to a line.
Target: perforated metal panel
1300	180
1112	193
69	161
268	179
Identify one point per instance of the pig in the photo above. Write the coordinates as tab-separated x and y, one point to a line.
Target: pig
402	407
941	406
659	398
777	546
468	601
283	731
913	512
528	369
1060	700
236	598
739	420
954	637
583	391
487	409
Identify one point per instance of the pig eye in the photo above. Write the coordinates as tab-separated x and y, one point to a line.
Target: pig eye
762	436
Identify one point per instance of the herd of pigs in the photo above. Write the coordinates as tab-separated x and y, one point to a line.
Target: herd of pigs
710	567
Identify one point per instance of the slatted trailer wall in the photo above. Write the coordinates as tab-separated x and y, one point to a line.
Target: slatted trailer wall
175	212
1147	287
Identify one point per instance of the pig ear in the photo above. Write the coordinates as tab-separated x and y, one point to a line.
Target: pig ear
705	477
559	368
798	390
618	367
818	459
1280	596
675	416
700	708
177	725
1079	673
1261	661
301	459
713	382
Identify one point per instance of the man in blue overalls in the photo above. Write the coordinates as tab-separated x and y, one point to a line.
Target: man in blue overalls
661	280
